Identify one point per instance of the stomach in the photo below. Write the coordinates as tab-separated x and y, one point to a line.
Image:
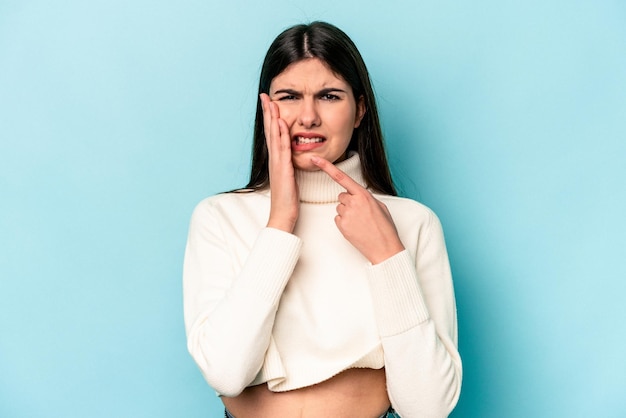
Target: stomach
353	393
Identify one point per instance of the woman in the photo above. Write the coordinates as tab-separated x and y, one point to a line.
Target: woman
315	291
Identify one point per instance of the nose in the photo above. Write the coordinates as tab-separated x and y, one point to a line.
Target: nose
309	116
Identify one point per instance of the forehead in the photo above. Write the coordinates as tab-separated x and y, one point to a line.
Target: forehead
308	73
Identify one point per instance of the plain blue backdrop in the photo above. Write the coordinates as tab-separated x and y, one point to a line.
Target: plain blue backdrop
117	117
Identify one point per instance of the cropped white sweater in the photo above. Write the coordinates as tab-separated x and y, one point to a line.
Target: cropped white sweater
292	310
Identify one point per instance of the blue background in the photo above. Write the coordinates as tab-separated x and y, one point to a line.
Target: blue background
116	118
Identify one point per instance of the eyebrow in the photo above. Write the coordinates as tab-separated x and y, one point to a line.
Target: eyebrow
319	93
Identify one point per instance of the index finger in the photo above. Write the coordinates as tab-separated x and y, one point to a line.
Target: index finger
338	176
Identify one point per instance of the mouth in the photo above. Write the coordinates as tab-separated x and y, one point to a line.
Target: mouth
302	140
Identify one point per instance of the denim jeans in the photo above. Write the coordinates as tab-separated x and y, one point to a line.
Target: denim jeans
389	414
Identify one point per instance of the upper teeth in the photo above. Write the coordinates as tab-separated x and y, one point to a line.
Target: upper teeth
303	140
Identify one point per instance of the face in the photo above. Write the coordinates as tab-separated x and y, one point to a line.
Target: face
320	110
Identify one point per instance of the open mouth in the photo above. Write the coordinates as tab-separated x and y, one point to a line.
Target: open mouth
303	140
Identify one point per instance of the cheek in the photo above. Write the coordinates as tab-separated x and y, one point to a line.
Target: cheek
343	121
286	113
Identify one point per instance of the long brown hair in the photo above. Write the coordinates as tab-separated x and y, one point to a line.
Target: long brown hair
332	46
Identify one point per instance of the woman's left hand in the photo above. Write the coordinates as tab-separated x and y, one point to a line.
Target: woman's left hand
362	219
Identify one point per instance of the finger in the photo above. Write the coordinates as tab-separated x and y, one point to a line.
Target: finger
344	197
274	110
275	125
285	138
265	99
270	120
274	132
337	175
341	209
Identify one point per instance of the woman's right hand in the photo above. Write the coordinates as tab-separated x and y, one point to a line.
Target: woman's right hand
285	204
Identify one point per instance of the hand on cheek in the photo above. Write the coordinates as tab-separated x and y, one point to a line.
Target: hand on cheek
285	204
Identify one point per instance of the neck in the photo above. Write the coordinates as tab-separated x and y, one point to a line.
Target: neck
318	187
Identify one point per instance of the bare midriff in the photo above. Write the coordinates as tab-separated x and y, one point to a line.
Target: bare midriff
354	393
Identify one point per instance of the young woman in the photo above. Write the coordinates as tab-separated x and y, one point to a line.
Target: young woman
316	291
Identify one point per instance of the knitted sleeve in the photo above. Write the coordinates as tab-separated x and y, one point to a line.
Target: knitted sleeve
229	304
415	313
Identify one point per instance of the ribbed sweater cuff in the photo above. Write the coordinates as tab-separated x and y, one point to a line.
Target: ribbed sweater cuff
398	301
270	264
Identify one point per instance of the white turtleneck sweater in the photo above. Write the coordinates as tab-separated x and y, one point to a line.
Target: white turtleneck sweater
292	310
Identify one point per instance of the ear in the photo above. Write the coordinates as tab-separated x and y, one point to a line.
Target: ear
360	111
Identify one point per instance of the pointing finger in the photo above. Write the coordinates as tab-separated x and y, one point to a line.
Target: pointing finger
338	176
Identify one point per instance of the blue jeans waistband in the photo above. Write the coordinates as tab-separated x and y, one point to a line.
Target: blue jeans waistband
389	414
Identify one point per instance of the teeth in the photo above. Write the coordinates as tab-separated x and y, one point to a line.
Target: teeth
303	140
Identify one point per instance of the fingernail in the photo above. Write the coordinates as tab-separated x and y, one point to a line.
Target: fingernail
315	160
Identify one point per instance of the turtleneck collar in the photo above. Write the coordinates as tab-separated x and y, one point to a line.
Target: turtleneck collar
318	187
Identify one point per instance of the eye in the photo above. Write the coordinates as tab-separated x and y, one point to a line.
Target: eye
287	98
329	96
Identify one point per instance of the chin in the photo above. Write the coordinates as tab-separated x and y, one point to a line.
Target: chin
303	161
307	166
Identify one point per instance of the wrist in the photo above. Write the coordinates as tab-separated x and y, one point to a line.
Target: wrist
281	224
386	253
